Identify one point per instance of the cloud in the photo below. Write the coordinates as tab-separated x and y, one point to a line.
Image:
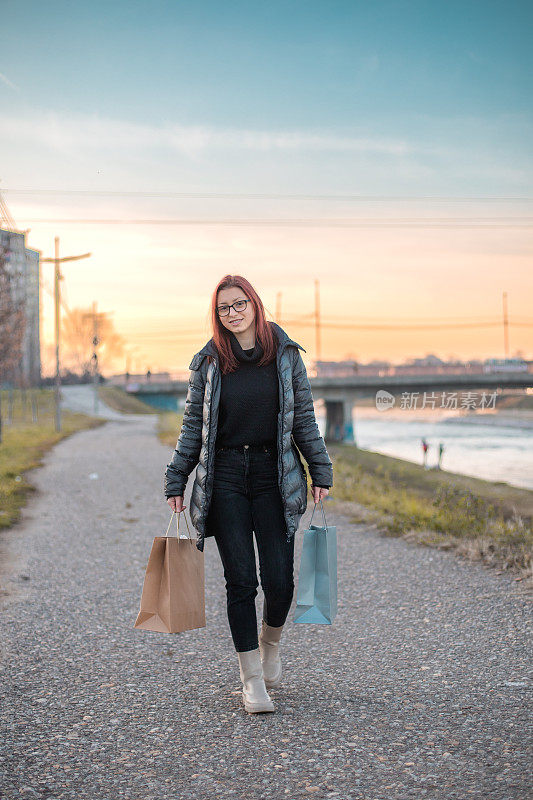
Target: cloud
426	154
9	83
77	132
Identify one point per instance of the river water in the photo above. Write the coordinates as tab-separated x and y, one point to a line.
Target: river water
492	446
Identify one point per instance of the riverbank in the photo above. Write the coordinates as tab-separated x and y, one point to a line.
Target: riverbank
119	400
481	520
491	446
25	442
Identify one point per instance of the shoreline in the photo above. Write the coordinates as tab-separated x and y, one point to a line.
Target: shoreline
483	520
512	430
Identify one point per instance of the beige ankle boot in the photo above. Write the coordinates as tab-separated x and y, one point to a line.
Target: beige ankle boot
269	649
254	694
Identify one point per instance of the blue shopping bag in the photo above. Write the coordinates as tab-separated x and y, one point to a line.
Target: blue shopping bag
316	599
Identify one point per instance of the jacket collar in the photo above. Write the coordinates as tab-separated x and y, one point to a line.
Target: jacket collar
209	348
283	338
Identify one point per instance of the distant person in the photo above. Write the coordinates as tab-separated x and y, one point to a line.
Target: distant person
425	448
441	451
232	428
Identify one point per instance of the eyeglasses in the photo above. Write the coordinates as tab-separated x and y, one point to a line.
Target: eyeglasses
239	305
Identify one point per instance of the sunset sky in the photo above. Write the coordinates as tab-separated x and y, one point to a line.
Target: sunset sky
264	125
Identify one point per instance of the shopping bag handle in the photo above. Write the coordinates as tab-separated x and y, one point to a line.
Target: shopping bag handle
323	514
178	524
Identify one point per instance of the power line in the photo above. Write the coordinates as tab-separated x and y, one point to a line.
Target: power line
429	326
297	318
264	195
171	335
406	222
408	320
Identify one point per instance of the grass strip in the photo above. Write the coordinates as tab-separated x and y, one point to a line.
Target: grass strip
168	427
120	400
483	520
24	444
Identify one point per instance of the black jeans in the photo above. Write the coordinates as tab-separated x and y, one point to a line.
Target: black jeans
246	498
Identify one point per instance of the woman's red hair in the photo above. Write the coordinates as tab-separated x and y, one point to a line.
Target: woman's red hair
221	336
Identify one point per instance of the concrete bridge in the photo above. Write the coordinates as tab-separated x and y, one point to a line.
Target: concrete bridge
415	391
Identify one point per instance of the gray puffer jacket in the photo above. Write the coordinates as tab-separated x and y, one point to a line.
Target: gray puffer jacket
297	431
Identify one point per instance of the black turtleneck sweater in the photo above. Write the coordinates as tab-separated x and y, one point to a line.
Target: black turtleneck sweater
249	400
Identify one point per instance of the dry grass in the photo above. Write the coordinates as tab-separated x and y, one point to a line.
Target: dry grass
483	521
120	400
24	444
169	427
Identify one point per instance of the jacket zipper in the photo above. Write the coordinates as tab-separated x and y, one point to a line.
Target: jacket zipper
209	433
280	445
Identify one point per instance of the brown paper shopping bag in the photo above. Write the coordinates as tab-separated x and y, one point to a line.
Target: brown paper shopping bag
173	596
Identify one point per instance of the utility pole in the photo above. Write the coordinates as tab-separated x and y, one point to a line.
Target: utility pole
95	359
317	320
57	277
505	326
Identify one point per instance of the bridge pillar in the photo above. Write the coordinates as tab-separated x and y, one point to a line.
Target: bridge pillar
339	421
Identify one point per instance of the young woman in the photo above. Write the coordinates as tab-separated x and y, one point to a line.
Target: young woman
249	410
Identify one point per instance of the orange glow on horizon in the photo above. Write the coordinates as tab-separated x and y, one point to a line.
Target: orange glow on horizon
155	283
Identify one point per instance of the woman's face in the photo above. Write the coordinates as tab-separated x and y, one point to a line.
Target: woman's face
236	321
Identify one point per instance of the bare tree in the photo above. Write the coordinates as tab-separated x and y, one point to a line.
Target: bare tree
78	326
12	324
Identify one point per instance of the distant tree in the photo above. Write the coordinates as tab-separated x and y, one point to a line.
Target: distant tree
77	336
12	325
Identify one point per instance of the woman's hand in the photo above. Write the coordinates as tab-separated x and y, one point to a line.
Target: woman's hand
176	504
319	493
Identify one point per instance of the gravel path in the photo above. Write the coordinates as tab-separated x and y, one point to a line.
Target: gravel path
418	690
